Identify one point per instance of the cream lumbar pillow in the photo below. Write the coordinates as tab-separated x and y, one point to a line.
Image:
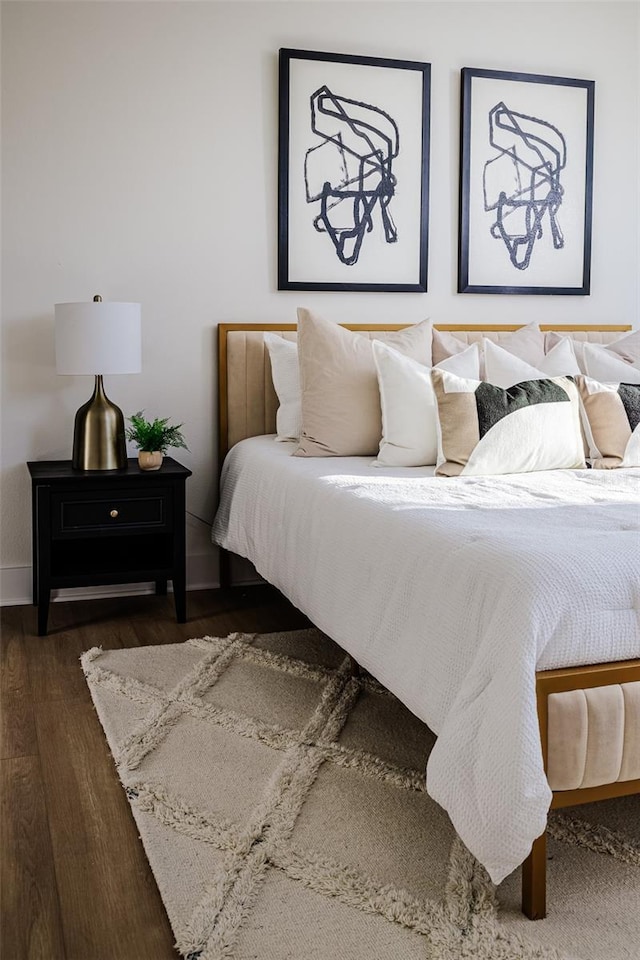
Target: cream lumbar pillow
611	422
603	365
341	415
409	415
504	369
283	355
484	429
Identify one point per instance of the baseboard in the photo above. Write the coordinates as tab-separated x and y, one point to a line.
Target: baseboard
16	586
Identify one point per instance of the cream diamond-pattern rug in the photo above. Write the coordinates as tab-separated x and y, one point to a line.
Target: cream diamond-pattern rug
282	806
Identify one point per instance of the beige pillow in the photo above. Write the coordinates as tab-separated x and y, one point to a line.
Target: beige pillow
527	344
341	415
445	345
628	347
612	422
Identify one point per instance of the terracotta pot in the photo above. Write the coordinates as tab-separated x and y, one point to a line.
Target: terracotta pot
149	461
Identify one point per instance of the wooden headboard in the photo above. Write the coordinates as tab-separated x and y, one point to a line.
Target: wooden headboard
247	402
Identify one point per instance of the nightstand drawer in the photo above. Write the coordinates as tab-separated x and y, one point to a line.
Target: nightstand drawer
98	511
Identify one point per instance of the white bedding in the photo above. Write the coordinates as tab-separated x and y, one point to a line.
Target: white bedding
452	592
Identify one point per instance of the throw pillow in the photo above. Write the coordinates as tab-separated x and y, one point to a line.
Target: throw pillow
603	365
553	338
527	343
611	422
628	347
445	345
283	355
484	429
409	415
341	414
504	369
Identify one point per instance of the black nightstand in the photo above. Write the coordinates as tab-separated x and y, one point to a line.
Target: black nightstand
93	527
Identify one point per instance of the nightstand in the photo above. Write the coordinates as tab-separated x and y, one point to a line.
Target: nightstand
97	527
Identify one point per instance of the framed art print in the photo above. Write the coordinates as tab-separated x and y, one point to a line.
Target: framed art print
526	180
353	172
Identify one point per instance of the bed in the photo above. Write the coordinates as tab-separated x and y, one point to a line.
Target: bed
381	569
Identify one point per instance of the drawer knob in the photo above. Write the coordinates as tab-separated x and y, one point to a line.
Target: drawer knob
113	513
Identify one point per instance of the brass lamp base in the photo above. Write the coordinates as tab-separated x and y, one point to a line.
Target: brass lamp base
98	435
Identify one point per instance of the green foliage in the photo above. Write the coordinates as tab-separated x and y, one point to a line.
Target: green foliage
152	435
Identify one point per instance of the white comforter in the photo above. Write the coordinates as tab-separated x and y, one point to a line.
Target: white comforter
452	592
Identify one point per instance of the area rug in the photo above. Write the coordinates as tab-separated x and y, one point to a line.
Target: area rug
282	806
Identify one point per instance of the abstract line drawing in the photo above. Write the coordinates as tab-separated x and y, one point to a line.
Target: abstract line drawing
350	173
526	183
353	172
522	184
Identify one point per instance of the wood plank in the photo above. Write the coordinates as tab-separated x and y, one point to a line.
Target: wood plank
53	660
606	791
107	900
110	905
591	675
73	628
17	727
31	928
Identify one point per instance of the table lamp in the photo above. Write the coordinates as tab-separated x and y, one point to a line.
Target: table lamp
98	338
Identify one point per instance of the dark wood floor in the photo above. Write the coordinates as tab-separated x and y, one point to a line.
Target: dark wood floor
75	882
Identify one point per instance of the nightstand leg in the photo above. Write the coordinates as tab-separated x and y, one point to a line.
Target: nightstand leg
225	568
35	558
44	596
42	555
180	597
34	592
179	575
161	588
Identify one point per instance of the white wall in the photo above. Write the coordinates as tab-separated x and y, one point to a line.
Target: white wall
139	162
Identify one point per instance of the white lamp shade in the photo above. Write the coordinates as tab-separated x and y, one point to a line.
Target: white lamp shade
98	338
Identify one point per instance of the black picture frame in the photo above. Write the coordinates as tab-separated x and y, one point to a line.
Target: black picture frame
526	183
353	172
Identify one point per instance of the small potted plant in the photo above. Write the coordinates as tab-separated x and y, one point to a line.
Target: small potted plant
153	438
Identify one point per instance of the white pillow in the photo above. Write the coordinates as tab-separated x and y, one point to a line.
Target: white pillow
503	369
601	364
409	414
553	338
286	381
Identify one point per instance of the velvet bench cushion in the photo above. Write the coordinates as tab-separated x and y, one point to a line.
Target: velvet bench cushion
593	736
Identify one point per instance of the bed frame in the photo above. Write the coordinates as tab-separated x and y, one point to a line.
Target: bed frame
596	707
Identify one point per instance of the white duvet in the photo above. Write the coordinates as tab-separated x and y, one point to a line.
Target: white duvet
452	592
